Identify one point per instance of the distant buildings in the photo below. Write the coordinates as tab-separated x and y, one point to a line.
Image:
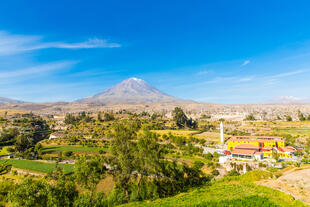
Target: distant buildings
258	147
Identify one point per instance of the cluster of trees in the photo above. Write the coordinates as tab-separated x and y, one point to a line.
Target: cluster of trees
136	162
182	120
302	117
8	136
140	170
75	119
25	135
106	116
250	117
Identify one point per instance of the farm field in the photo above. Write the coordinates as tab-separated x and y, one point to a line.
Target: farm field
37	166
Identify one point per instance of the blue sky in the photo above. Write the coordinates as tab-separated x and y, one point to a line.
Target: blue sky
209	51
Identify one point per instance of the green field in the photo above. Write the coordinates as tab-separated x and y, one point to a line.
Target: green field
37	166
64	148
234	192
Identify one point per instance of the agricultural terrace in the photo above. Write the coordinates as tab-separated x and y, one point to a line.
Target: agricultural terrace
37	166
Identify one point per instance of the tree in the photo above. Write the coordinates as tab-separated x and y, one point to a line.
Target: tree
149	155
182	120
301	116
289	118
99	118
89	173
108	117
35	130
39	193
179	117
122	151
250	117
8	136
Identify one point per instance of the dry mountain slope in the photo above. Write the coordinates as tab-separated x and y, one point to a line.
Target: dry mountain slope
9	101
132	90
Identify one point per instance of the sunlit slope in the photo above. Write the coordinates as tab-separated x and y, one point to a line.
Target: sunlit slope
230	191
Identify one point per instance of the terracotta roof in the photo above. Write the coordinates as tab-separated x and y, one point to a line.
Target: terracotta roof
289	149
246	146
261	137
252	140
243	152
258	153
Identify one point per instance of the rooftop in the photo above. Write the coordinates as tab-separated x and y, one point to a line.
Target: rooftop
243	152
246	146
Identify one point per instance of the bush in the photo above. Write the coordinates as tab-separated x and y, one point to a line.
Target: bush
68	153
215	172
233	173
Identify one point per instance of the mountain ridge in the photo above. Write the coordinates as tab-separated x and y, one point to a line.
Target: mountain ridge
4	100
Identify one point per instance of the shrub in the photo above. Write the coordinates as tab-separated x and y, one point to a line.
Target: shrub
215	172
68	153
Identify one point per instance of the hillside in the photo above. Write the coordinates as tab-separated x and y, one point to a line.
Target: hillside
132	90
229	191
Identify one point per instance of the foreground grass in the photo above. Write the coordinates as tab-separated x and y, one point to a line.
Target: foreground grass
232	191
36	166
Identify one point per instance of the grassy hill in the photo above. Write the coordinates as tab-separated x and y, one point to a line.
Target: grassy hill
229	191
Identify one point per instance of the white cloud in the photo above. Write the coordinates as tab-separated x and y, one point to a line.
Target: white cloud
246	62
204	72
90	43
289	73
289	99
40	69
245	79
226	79
14	44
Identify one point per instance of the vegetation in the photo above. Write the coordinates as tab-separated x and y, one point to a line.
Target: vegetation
134	159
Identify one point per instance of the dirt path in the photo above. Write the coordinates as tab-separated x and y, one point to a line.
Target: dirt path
295	182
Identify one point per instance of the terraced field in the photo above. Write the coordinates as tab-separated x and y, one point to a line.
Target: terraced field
36	166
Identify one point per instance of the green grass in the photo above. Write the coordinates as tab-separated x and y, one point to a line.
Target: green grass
64	148
4	151
37	166
231	191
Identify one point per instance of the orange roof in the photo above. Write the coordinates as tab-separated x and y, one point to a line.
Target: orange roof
251	140
246	146
243	152
260	137
258	153
289	149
